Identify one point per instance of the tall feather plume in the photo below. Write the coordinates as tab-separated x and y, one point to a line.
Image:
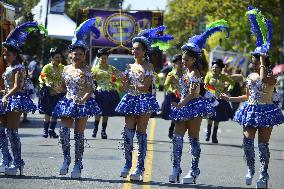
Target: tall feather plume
84	29
152	32
260	27
153	37
221	24
217	26
21	32
269	32
254	26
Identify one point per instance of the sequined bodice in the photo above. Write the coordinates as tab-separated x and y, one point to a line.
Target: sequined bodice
78	82
186	82
259	92
9	73
137	75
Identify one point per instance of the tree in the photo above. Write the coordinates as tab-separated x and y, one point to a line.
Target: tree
33	45
74	5
23	7
185	16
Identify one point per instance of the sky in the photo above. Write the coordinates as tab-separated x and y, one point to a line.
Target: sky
146	4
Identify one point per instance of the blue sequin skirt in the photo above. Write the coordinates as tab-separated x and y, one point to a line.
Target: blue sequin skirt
46	103
212	98
68	108
223	110
166	107
259	115
137	105
19	102
197	107
107	101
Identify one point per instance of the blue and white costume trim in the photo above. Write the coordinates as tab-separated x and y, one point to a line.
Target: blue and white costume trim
256	114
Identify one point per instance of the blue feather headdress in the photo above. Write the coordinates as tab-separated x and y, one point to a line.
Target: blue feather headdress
152	38
82	33
262	28
18	36
197	42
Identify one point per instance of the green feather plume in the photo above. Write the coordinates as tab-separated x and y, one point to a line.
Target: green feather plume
261	21
40	28
217	23
162	45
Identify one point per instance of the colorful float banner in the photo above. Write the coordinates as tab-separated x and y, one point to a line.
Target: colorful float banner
118	28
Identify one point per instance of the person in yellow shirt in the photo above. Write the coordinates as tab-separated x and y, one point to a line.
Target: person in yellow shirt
106	93
172	89
216	82
52	90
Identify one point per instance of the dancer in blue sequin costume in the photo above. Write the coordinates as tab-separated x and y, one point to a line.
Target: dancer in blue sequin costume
193	107
78	104
6	156
16	99
259	112
138	103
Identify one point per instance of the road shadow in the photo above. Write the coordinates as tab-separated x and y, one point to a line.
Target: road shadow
120	181
179	185
38	123
30	177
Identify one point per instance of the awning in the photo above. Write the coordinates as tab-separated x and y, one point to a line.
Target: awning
60	26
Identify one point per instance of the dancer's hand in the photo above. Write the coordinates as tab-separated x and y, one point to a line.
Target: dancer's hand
79	101
125	82
224	97
4	102
176	105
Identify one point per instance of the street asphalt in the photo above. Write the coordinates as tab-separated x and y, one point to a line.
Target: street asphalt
222	165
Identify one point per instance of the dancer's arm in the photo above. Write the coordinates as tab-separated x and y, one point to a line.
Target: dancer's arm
264	74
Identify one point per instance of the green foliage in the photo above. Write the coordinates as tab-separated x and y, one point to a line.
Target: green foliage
23	7
184	18
74	5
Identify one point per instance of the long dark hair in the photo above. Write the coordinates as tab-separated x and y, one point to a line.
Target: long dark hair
201	63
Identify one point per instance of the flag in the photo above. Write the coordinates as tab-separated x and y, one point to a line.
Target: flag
177	94
211	88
